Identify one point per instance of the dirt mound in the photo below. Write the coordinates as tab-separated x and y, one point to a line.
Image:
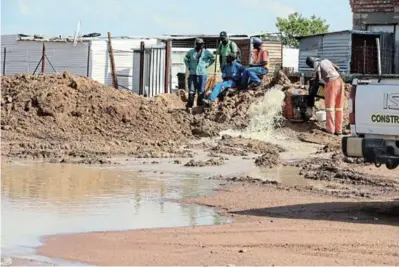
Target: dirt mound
279	78
233	109
268	160
45	114
58	115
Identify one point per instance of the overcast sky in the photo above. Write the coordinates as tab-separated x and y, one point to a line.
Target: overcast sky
156	17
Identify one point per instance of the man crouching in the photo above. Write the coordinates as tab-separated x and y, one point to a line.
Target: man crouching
231	75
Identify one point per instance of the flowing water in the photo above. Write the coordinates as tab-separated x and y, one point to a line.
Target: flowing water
265	117
40	199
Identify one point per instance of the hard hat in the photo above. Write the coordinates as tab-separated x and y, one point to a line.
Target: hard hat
256	41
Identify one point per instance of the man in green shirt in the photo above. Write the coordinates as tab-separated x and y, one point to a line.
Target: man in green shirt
227	47
197	61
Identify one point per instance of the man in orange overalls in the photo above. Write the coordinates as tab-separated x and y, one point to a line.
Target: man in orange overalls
327	74
259	66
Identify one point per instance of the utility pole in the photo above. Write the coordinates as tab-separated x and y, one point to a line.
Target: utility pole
111	57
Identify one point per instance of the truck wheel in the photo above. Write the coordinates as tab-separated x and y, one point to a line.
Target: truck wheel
391	166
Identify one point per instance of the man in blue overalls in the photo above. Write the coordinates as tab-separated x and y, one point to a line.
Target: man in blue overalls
197	61
231	75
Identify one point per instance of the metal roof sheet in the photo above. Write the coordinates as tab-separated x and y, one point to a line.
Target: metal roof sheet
339	32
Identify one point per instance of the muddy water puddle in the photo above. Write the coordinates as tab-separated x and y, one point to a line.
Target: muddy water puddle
41	199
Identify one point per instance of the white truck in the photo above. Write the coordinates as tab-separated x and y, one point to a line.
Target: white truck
374	121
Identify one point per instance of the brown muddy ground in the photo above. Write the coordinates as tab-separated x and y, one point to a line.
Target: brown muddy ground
344	216
273	225
325	210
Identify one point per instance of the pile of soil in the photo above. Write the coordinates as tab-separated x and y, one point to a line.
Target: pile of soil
239	146
279	78
233	110
269	160
58	114
62	115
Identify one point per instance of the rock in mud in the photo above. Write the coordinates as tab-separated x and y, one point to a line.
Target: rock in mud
339	157
269	159
332	147
239	146
201	163
89	161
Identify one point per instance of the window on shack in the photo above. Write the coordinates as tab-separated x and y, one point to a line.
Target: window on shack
364	54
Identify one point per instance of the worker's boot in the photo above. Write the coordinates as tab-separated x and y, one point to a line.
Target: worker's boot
200	99
190	102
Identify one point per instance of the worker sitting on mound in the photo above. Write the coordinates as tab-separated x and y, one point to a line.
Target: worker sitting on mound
231	75
259	67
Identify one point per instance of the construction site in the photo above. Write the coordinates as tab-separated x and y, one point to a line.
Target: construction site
115	171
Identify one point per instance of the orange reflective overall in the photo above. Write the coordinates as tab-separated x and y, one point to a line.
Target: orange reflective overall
334	101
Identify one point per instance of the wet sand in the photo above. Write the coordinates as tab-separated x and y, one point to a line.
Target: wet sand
272	225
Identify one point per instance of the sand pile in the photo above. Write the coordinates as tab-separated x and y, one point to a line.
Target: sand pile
43	115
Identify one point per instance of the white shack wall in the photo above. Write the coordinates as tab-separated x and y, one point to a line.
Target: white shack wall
291	58
177	65
100	65
22	57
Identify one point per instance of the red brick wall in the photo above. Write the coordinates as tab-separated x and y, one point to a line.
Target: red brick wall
370	6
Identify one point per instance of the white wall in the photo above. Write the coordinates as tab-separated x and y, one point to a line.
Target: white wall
24	56
100	66
291	58
177	65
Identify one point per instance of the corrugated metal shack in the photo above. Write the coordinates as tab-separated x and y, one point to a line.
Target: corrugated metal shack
355	52
181	44
90	57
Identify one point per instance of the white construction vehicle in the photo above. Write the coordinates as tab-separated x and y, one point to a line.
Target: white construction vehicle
374	121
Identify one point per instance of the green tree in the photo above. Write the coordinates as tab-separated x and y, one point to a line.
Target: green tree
297	25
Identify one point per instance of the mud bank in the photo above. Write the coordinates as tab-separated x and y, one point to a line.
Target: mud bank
63	117
271	225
